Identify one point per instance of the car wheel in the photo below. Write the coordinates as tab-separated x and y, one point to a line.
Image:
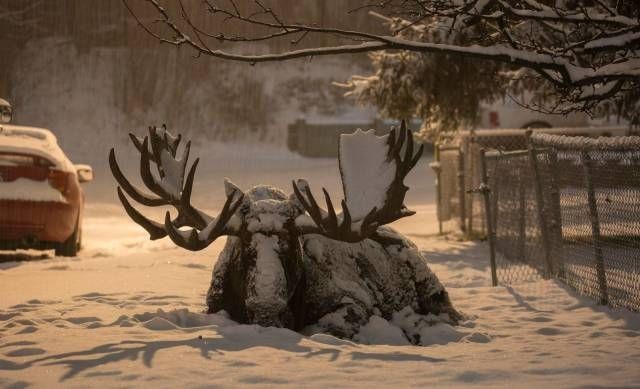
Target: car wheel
69	248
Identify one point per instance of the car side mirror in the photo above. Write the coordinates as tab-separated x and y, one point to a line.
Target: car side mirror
5	114
85	173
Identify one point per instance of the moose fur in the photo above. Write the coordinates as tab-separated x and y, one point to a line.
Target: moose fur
274	278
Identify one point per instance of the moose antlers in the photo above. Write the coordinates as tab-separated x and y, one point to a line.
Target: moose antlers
172	189
387	204
328	223
373	170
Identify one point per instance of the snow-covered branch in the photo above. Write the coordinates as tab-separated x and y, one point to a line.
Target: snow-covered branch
587	51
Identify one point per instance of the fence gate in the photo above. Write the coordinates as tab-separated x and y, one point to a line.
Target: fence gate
516	234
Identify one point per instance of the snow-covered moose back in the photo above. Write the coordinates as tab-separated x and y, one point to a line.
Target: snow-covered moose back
287	261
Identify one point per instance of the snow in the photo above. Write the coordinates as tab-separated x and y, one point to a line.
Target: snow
128	312
25	189
174	170
366	172
268	215
270	279
602	143
34	141
435	330
380	331
620	41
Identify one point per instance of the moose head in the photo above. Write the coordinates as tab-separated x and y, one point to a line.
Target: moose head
261	274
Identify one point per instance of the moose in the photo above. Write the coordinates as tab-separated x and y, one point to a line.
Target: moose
287	261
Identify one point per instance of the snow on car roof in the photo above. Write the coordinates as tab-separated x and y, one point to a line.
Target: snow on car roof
34	141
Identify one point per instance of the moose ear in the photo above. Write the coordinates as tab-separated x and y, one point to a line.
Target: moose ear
230	187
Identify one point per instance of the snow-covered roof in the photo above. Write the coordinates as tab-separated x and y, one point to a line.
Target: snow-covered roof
34	141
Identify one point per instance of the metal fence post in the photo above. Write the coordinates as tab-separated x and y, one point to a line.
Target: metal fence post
595	227
472	166
486	191
533	160
522	230
556	213
495	204
437	168
461	190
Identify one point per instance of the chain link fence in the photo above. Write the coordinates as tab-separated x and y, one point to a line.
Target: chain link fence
558	206
457	167
517	236
598	207
473	143
567	207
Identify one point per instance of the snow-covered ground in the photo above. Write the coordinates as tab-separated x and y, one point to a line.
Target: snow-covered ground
127	312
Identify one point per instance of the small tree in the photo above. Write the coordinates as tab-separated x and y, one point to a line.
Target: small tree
586	52
444	90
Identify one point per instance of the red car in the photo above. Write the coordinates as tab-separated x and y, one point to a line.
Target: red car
41	200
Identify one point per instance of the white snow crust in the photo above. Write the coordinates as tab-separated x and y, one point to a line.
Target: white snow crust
34	141
133	317
173	174
24	189
366	173
267	216
270	278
